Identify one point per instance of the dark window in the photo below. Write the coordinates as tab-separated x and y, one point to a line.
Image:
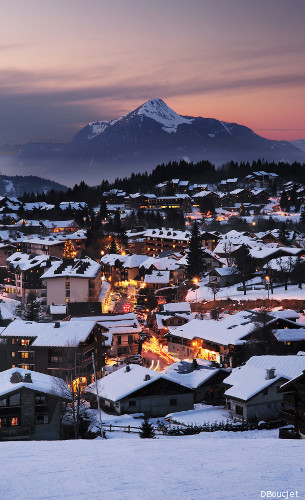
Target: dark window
42	419
173	402
15	399
130	339
132	403
265	391
40	399
229	405
239	410
3	402
119	340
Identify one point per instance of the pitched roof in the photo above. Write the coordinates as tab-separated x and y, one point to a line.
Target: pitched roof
40	382
250	379
45	334
230	330
76	268
121	383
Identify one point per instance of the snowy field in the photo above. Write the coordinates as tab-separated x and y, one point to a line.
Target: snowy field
201	415
205	466
204	293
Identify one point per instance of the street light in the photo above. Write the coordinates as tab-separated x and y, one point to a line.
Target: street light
267	278
195	281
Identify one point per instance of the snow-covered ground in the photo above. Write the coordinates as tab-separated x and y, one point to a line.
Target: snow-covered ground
204	293
205	466
201	415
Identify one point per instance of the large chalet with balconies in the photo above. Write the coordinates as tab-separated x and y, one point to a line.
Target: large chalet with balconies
52	347
73	280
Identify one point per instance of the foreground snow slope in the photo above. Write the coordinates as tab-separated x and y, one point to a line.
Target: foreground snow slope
196	467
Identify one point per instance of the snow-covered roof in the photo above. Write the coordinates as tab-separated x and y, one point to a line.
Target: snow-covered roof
226	271
80	268
40	382
289	334
286	314
5	313
230	330
182	373
177	307
27	261
157	277
46	334
134	261
58	309
121	383
172	234
110	258
250	379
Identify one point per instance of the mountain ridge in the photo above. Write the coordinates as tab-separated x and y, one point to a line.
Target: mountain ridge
152	134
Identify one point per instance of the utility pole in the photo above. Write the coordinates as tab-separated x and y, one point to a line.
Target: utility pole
97	397
268	285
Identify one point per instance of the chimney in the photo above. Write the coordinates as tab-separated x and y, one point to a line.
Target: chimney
27	378
127	368
57	324
147	377
270	373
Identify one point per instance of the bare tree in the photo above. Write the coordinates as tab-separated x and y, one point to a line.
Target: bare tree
285	267
228	249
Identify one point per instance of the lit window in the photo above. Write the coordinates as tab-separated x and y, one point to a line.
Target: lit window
25	342
13	354
15	421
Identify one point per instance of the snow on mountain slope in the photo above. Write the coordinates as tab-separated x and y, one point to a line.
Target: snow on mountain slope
156	109
161	113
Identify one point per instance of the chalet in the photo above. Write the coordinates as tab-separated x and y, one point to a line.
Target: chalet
30	405
136	389
6	250
203	377
122	331
24	275
232	340
73	280
48	347
293	410
224	276
163	321
160	240
48	227
253	392
210	239
157	279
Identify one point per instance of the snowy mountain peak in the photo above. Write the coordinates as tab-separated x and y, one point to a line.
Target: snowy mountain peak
161	113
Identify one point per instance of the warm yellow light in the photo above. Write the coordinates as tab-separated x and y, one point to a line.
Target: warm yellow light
195	280
267	278
123	253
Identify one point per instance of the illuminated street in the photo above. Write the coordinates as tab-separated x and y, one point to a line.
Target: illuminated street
153	352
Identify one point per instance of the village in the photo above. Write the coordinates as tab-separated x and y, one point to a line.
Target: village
110	315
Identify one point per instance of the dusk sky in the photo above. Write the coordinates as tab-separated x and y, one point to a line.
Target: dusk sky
65	63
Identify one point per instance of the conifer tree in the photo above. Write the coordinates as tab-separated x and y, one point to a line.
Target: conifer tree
147	430
69	251
195	256
32	310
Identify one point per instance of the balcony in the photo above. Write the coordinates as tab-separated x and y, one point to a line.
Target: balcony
14	433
